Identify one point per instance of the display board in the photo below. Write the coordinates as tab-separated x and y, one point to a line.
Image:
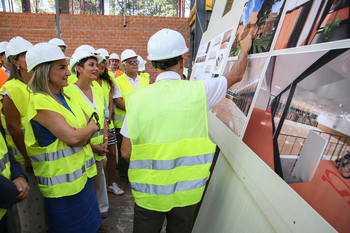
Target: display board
278	27
289	36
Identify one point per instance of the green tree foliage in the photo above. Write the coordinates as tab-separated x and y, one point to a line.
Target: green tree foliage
264	12
148	7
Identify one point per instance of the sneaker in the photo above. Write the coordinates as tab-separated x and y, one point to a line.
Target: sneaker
114	188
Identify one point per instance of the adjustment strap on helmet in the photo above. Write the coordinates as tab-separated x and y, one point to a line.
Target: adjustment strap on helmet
166	64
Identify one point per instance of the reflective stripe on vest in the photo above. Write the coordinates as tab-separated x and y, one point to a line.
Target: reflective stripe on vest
168	189
7	132
3	162
171	164
90	162
119	118
65	178
53	156
98	133
14	151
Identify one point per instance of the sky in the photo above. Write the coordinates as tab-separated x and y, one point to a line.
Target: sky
254	6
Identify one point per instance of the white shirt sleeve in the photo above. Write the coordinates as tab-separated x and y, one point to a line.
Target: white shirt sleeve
215	90
6	92
124	130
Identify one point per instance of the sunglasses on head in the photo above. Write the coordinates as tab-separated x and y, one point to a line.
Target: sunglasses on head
95	115
133	62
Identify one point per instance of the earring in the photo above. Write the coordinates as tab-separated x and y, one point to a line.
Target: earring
18	67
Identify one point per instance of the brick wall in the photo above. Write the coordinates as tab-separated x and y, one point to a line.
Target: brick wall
99	31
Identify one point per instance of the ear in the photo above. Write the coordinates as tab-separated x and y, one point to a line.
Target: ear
15	62
79	69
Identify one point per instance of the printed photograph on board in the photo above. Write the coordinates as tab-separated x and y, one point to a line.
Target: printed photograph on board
308	125
312	22
226	39
260	20
233	109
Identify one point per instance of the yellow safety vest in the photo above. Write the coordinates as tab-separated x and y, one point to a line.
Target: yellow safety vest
146	75
106	90
171	152
4	166
20	98
60	170
98	137
124	87
71	78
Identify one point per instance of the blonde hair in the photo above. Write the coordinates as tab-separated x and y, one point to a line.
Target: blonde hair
39	82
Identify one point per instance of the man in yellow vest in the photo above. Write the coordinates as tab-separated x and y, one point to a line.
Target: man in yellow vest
127	82
166	136
5	69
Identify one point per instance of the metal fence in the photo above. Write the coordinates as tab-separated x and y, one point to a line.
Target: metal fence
173	8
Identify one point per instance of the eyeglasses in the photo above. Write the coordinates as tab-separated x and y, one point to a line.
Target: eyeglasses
104	62
133	62
95	115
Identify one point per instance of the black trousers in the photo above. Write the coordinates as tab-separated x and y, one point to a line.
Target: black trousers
123	165
179	220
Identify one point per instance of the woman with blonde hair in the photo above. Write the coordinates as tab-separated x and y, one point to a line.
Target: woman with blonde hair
15	98
57	140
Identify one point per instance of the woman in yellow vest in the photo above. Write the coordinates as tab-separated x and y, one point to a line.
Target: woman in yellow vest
106	81
91	99
56	137
15	98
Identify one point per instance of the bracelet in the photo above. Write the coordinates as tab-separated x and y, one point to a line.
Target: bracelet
106	138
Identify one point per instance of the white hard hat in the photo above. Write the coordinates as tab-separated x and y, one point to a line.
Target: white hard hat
128	53
16	46
103	51
43	52
141	64
114	56
3	46
88	48
58	42
79	55
166	44
102	56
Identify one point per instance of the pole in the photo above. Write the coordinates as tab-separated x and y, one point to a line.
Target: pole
58	30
